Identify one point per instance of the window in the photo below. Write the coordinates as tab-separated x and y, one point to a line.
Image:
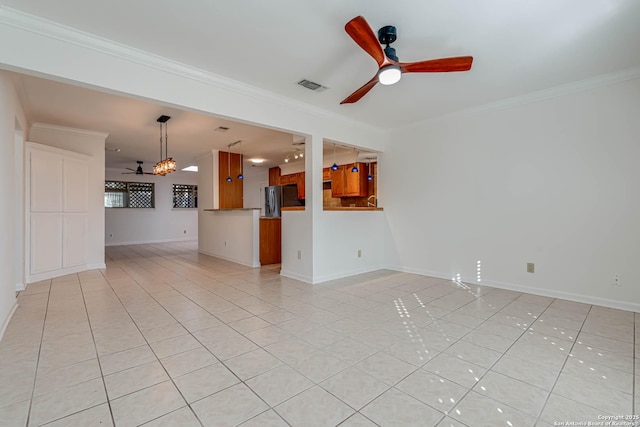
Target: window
120	194
185	196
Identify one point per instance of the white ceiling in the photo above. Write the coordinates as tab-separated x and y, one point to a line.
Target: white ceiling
519	47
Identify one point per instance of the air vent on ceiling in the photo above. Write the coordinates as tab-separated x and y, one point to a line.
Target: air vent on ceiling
316	87
221	129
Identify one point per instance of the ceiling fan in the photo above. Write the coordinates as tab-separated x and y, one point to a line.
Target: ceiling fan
389	68
138	170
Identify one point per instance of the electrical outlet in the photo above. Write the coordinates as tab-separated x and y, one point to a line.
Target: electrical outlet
359	253
617	280
531	267
299	254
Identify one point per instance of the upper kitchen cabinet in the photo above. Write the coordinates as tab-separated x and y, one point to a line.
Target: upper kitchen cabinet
231	193
274	176
345	183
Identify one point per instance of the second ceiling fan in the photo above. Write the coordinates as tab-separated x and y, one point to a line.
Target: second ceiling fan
389	67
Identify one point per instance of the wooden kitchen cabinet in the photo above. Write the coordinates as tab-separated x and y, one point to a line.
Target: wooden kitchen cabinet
230	193
274	176
345	183
287	179
300	182
326	174
270	241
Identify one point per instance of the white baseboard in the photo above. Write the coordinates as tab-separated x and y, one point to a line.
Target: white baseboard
63	272
5	324
253	264
552	293
97	266
343	274
146	242
296	276
20	287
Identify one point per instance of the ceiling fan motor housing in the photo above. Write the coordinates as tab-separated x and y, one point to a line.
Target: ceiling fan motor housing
386	36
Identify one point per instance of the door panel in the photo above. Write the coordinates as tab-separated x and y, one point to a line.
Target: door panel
46	242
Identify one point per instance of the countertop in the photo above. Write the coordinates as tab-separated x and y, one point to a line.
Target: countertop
231	209
293	208
271	217
354	208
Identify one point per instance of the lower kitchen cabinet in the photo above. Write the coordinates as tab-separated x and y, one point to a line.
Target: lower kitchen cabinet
270	241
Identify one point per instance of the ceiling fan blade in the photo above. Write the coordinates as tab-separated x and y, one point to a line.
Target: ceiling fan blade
355	96
129	169
442	65
361	33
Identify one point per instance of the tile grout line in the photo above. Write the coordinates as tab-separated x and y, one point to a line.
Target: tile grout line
151	349
563	366
35	374
223	363
95	347
470	389
194	337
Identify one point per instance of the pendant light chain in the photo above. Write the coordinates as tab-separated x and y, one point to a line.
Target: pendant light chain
160	141
166	141
229	179
165	165
240	175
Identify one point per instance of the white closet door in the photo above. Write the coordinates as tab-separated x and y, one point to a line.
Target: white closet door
76	185
74	240
46	242
46	182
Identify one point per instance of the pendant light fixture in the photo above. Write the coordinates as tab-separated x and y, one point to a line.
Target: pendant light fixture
369	176
229	164
334	167
167	164
240	176
355	165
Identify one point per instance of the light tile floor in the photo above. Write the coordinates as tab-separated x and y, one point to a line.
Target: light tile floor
167	337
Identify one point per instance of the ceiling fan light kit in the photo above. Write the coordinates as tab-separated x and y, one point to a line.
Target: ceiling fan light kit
166	165
389	75
390	69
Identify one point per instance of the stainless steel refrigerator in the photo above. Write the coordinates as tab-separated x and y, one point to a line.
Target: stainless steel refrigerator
278	196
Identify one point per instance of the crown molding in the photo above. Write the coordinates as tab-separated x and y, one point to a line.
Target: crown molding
538	96
54	30
68	130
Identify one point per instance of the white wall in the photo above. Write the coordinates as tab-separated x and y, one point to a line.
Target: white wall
254	178
553	182
90	143
10	114
208	192
296	237
346	233
160	224
231	234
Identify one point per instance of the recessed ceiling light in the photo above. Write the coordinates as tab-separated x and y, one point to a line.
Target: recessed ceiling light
117	150
257	161
190	169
